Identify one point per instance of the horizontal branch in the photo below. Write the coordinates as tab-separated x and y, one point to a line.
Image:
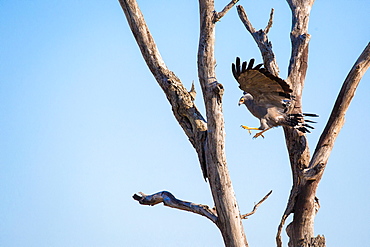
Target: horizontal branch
170	200
245	216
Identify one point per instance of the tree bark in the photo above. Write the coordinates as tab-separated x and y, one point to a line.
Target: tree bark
208	138
170	200
261	38
306	206
301	203
229	220
182	102
307	173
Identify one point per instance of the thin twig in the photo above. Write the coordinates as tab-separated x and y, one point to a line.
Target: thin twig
279	242
269	24
170	200
192	92
245	216
219	15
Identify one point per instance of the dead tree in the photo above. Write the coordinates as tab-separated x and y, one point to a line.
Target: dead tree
207	134
306	170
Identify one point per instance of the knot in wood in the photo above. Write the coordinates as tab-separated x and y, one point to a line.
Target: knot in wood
219	88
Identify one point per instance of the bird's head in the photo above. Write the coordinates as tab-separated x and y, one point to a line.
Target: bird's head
244	98
241	101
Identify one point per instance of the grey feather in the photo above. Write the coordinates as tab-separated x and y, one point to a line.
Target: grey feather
268	97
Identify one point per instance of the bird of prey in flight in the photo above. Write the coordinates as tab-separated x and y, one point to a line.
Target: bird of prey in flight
268	98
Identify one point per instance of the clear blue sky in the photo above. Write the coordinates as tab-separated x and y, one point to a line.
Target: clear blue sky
84	126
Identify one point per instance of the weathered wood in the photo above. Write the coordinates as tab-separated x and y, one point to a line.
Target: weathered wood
304	205
183	106
308	173
305	208
229	220
299	203
336	120
219	15
262	40
207	138
170	200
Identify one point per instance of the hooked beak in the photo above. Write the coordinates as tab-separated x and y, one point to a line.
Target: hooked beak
241	101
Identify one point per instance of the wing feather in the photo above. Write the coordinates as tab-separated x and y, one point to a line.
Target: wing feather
265	88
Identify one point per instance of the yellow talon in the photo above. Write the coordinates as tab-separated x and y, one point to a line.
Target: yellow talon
249	128
258	134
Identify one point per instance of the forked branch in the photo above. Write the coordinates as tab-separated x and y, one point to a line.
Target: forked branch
219	15
262	40
170	200
313	174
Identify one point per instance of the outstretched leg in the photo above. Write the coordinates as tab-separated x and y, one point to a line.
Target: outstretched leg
249	128
261	133
256	135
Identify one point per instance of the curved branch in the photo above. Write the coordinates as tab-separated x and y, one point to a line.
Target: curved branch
183	107
170	200
336	120
262	41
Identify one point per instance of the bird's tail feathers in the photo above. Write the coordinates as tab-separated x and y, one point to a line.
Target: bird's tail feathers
310	115
298	122
309	121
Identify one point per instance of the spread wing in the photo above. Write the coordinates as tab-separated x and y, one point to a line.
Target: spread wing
265	88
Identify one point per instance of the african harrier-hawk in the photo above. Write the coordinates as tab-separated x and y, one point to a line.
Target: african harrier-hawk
268	98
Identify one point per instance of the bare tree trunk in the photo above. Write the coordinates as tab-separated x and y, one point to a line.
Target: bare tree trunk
306	206
208	138
302	227
306	172
296	141
229	220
